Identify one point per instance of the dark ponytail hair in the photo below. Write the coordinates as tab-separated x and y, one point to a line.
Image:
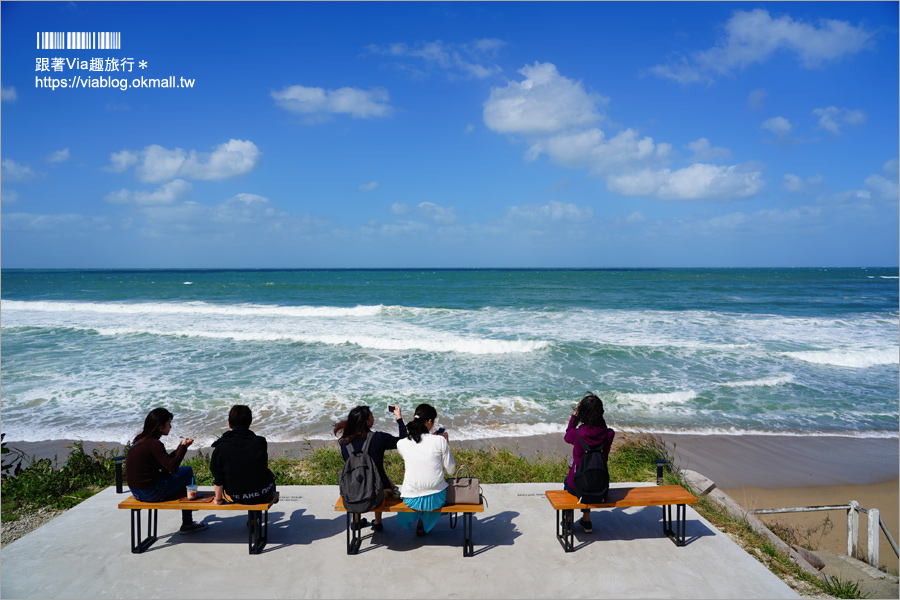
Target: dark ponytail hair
155	421
356	424
416	427
590	411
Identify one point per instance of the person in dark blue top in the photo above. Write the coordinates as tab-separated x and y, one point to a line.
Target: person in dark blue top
353	433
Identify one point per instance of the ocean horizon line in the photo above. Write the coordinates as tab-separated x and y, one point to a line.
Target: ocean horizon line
414	269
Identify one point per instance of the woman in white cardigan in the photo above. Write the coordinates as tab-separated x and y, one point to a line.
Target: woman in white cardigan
426	456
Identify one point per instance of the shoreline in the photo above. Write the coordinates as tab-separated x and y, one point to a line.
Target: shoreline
732	461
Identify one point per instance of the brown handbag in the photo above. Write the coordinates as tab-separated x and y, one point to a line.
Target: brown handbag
463	490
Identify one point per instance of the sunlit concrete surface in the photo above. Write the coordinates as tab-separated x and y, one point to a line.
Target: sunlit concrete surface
85	553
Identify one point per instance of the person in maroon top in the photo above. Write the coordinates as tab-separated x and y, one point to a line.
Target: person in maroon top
589	413
153	475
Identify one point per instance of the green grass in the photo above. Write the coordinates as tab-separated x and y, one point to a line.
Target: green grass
839	588
39	485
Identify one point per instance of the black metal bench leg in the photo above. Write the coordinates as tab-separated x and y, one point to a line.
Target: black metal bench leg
468	544
675	530
354	536
259	530
137	544
566	537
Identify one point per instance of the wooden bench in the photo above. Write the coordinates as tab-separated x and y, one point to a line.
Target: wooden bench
396	505
619	497
259	531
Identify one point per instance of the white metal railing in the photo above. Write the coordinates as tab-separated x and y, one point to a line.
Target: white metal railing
853	509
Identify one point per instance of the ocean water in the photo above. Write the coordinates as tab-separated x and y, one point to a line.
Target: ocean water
87	353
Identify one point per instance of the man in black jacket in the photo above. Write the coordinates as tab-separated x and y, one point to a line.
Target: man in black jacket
240	462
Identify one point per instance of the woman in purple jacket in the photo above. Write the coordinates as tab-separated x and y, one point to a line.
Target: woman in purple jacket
593	430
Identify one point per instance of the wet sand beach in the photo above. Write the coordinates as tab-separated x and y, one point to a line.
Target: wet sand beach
758	471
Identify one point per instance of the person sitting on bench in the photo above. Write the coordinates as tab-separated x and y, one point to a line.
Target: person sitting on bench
353	432
153	475
594	431
240	464
425	456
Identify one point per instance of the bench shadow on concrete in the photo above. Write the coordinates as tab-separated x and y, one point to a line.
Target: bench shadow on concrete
646	523
298	528
488	533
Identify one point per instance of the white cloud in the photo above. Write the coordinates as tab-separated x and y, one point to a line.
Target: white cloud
168	193
156	164
795	184
402	228
244	209
444	215
369	187
754	36
756	99
885	186
59	156
778	125
119	161
756	224
544	103
697	182
636	217
8	94
13	171
704	151
243	216
59	224
9	197
792	183
469	129
469	60
831	118
553	211
882	187
591	149
555	115
359	104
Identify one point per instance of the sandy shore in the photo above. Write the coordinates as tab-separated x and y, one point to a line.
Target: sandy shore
759	471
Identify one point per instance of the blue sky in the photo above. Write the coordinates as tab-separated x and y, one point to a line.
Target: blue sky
466	134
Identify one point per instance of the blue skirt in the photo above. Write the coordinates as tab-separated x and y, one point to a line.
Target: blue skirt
423	503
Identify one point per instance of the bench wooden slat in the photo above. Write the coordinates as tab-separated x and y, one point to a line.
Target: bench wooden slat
134	504
657	495
394	504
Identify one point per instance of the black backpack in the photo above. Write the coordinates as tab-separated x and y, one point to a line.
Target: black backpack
359	481
591	476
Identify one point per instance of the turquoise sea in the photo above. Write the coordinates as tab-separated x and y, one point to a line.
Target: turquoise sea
87	353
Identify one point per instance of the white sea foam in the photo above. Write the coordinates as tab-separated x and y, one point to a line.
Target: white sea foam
734	431
459	345
772	381
192	308
478	432
856	359
680	397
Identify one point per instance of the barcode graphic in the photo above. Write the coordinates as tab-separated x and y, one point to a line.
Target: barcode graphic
79	40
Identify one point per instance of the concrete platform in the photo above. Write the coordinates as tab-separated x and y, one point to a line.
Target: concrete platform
84	553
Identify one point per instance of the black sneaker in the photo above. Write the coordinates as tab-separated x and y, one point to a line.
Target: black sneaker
586	525
192	528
